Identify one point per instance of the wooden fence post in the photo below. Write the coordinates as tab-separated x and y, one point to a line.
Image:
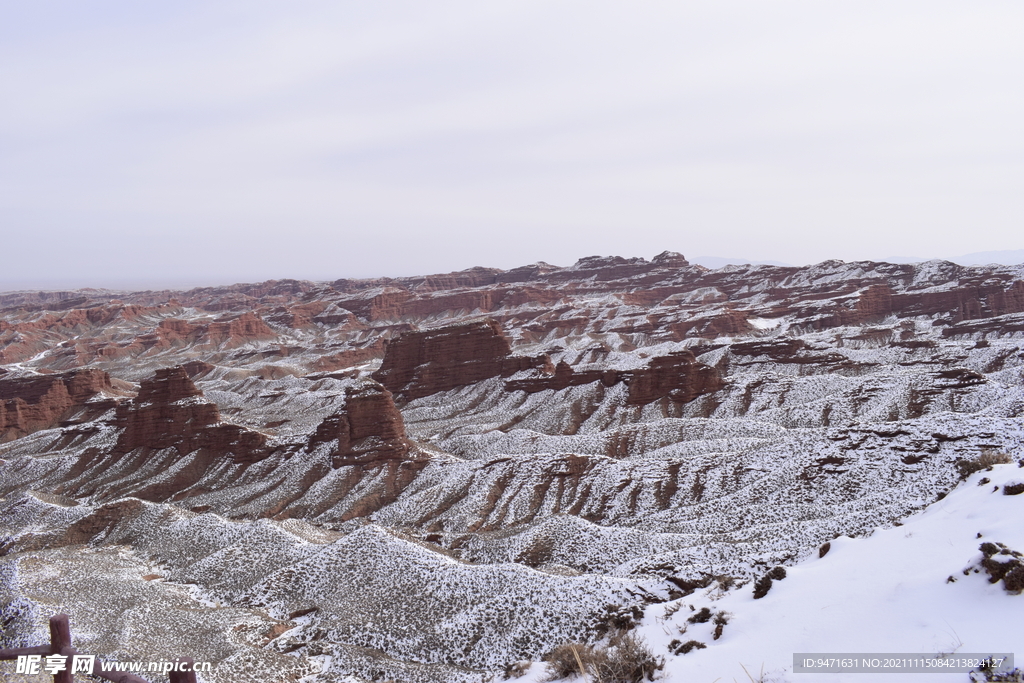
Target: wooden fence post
60	644
184	676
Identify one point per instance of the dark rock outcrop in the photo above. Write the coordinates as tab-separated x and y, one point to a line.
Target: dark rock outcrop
368	431
563	376
677	376
422	363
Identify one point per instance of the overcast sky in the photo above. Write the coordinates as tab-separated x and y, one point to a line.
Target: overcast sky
146	143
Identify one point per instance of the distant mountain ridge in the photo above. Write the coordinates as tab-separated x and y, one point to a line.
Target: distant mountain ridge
1010	257
1006	257
714	262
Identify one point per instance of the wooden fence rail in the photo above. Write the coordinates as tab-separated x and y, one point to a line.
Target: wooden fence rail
60	644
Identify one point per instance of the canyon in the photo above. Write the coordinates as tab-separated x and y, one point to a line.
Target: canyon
435	478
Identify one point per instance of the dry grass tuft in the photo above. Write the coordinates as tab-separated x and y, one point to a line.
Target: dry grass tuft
985	461
567	659
629	661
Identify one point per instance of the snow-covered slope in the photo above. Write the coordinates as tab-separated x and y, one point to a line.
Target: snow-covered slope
913	588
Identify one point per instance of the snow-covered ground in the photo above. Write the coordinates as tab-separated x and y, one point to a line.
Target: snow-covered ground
887	593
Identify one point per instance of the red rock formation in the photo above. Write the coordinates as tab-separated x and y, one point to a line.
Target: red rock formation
28	404
796	351
873	304
465	300
677	376
660	300
174	329
170	412
346	359
971	299
779	350
377	304
996	327
472	277
197	368
526	273
239	329
563	376
728	322
419	364
300	315
368	431
670	259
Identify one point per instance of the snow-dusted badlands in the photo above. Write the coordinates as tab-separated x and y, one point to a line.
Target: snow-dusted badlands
446	478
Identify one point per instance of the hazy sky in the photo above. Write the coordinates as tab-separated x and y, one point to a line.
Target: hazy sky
213	142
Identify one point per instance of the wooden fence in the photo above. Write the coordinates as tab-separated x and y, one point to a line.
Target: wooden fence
60	644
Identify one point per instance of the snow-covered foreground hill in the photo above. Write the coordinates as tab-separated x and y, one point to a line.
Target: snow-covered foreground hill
914	588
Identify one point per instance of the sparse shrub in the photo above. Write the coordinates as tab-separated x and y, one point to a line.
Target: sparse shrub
687	647
564	660
762	586
630	661
625	617
996	569
989	458
988	549
985	461
1003	563
1013	489
725	582
1003	550
517	669
701	617
687	586
966	468
823	550
778	573
721	619
618	618
985	674
1013	582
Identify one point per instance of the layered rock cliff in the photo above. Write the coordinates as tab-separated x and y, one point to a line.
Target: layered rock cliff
419	364
170	412
33	402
